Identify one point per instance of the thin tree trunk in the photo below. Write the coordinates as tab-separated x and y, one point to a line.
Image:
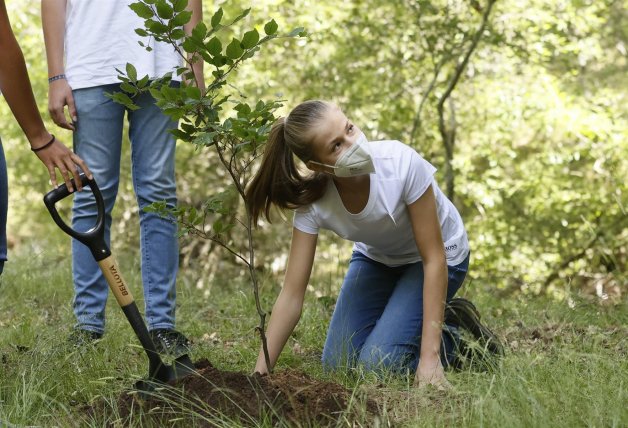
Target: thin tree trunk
448	133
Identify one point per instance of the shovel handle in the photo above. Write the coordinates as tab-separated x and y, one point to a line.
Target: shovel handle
122	293
116	281
94	238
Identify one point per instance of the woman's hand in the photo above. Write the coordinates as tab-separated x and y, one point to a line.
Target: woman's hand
261	367
60	96
431	372
58	156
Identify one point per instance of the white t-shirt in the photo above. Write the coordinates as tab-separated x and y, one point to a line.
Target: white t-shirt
100	37
383	231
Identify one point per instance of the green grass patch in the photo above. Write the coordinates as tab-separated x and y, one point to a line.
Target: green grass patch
566	364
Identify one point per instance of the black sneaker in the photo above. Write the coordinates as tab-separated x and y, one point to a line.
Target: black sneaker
462	313
170	342
81	337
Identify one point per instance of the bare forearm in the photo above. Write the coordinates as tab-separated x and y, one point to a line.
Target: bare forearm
284	318
195	6
53	23
16	88
434	294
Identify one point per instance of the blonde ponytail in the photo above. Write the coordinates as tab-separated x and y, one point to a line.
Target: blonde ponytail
278	180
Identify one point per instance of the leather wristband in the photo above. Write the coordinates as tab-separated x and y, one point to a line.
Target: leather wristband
52	140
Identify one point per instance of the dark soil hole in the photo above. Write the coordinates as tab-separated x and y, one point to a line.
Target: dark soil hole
216	397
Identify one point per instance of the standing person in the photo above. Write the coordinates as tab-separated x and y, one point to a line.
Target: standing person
16	88
410	255
97	37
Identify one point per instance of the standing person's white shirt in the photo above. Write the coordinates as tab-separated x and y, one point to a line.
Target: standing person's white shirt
100	37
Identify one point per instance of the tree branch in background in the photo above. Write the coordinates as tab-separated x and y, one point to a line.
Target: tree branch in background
448	133
600	232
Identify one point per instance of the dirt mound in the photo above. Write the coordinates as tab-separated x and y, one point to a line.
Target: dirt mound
215	397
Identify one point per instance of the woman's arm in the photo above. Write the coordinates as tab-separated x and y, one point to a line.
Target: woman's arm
59	91
196	7
16	88
287	309
427	234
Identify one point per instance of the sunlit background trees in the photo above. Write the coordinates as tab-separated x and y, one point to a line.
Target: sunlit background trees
521	105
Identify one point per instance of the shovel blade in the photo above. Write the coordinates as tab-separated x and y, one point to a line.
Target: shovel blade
165	373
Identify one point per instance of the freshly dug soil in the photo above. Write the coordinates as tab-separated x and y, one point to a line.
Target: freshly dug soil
216	397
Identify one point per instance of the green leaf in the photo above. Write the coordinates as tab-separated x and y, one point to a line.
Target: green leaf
155	26
234	49
199	31
177	34
299	31
179	5
214	46
189	46
181	18
142	82
217	18
164	10
242	109
156	94
250	39
142	10
174	112
131	71
125	100
128	88
206	139
193	92
250	53
271	27
141	32
220	60
244	13
183	136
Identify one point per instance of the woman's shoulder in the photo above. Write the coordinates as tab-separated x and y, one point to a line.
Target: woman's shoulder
394	153
389	148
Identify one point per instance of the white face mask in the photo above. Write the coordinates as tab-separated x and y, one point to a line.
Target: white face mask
354	161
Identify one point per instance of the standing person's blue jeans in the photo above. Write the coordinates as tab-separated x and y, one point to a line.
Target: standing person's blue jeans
98	140
378	317
4	205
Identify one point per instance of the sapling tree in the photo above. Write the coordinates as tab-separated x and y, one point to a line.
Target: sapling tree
209	118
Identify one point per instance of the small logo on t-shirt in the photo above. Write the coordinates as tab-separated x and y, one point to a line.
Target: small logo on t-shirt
451	248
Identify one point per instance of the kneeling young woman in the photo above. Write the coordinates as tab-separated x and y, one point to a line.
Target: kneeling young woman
410	256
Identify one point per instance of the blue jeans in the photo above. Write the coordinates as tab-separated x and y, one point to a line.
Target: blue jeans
4	205
98	140
378	317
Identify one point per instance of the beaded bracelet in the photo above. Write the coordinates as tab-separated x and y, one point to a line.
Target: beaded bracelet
52	140
57	77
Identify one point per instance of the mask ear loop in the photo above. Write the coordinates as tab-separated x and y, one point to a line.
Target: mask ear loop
324	167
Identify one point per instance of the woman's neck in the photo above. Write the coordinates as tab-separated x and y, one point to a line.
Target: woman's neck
354	192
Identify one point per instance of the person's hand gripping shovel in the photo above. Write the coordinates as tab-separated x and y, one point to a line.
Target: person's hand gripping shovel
94	239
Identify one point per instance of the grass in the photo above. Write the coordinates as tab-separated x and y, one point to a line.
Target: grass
566	365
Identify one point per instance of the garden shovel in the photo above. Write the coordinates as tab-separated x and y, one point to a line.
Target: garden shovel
94	238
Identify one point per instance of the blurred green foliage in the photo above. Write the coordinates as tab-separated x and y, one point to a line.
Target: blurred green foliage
540	117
